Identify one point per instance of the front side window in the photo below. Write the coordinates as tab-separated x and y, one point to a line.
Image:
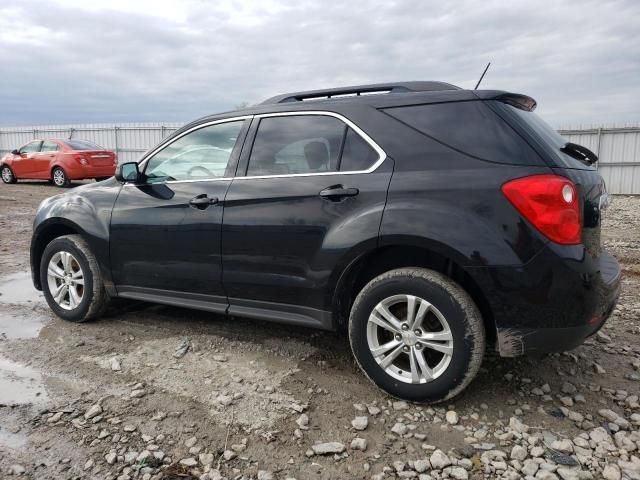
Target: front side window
296	144
31	147
201	154
49	147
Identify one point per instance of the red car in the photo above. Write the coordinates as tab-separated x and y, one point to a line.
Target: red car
59	161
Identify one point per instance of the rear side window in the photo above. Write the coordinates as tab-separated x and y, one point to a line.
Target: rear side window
306	144
468	127
49	147
296	144
357	154
545	134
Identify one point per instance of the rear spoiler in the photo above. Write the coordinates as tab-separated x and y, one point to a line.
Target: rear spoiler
517	100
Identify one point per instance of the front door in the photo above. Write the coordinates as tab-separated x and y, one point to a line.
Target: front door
24	163
314	192
165	231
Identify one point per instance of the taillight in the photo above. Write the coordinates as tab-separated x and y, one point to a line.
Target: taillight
550	203
81	159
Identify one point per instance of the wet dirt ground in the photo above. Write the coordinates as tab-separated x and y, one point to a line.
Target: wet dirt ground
109	398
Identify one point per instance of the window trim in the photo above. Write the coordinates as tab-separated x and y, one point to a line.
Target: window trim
382	156
381	153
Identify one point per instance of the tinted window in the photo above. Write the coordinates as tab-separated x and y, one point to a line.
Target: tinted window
49	147
357	154
82	145
471	128
296	144
547	135
203	153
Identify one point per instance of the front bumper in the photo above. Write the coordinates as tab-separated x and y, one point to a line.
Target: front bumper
553	303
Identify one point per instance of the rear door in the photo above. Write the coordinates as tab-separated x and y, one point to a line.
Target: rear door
310	191
44	159
165	231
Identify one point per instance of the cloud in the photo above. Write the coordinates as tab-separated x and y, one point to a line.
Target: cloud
76	61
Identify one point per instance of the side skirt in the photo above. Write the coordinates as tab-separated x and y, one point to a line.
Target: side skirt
269	311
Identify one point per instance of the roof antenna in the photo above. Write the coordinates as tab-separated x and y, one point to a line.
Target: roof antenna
482	76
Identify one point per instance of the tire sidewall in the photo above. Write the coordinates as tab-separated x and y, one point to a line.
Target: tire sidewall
438	389
79	313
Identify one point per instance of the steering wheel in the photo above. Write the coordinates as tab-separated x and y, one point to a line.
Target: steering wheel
199	168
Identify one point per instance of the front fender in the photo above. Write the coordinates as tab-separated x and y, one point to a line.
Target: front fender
85	210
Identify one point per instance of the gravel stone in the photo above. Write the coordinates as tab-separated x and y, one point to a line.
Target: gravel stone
328	448
452	417
360	423
359	444
439	459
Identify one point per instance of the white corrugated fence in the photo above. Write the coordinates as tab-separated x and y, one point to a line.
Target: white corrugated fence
617	147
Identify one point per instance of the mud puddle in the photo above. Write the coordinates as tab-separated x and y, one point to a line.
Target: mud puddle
20	385
17	289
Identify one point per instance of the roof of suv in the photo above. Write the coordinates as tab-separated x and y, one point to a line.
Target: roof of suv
377	95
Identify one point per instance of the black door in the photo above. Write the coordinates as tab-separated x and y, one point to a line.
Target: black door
165	231
313	195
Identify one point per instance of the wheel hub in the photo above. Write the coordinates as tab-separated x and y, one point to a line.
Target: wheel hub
409	338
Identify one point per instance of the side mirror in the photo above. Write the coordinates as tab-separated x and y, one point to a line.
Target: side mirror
128	172
15	152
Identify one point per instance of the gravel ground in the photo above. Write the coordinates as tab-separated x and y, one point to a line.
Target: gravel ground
162	392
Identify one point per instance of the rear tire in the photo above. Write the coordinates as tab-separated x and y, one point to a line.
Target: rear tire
59	178
429	356
7	174
71	280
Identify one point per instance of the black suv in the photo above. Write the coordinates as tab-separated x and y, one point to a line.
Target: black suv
426	220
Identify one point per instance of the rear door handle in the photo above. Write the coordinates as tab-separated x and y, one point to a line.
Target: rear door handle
202	201
338	192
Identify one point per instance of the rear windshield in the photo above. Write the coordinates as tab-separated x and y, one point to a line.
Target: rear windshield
82	145
547	135
471	128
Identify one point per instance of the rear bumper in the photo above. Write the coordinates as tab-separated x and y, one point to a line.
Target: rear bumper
78	172
554	302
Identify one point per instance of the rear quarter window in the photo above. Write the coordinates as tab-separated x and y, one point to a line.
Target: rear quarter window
469	127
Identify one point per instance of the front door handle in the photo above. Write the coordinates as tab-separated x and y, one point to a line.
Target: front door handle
202	201
338	192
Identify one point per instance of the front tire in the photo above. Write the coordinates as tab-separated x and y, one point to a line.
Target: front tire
60	178
7	174
71	279
417	335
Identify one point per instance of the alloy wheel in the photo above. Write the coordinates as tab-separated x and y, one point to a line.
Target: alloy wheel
66	280
7	176
58	177
410	339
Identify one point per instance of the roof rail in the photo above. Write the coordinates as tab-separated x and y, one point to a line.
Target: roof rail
375	88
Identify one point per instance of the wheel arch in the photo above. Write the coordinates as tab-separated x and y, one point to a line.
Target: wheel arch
44	234
390	256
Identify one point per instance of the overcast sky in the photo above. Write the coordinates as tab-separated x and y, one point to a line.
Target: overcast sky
70	61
